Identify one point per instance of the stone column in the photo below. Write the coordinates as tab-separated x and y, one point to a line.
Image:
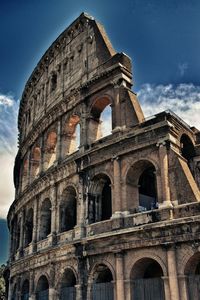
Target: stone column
166	287
116	195
10	290
183	287
84	128
53	209
52	294
35	224
29	168
42	154
116	111
58	149
21	231
163	156
32	295
119	259
78	288
172	272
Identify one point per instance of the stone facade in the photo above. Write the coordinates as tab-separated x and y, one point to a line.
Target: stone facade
101	216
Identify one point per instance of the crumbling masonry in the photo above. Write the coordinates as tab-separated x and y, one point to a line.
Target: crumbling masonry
101	215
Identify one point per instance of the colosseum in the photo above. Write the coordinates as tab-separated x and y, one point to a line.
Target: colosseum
107	203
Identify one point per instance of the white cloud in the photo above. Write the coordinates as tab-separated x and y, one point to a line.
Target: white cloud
183	99
8	148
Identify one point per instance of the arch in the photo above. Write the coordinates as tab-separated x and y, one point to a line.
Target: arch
141	186
28	227
35	162
45	219
187	151
100	123
187	147
53	81
25	290
102	285
100	199
192	270
50	149
67	285
146	278
68	209
42	289
71	135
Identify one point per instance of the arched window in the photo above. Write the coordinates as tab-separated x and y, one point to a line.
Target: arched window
100	199
187	151
141	187
147	189
50	149
28	227
192	271
102	287
71	135
35	162
42	290
25	290
68	207
53	82
187	147
147	282
68	290
100	124
45	219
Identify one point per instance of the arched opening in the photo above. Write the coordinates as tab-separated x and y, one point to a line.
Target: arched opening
100	199
42	290
25	290
192	271
45	219
14	293
35	162
50	149
147	282
28	227
102	287
25	173
68	210
147	189
187	150
141	187
71	135
15	234
100	124
68	283
53	82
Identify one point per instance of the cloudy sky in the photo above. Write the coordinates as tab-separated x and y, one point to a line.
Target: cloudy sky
161	37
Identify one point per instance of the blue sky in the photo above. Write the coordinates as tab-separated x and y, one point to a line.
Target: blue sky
161	37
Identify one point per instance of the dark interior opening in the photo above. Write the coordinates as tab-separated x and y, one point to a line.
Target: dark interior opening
68	214
187	148
147	189
104	275
106	201
29	227
153	270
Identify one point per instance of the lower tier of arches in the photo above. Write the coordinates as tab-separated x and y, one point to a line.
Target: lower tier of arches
167	272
